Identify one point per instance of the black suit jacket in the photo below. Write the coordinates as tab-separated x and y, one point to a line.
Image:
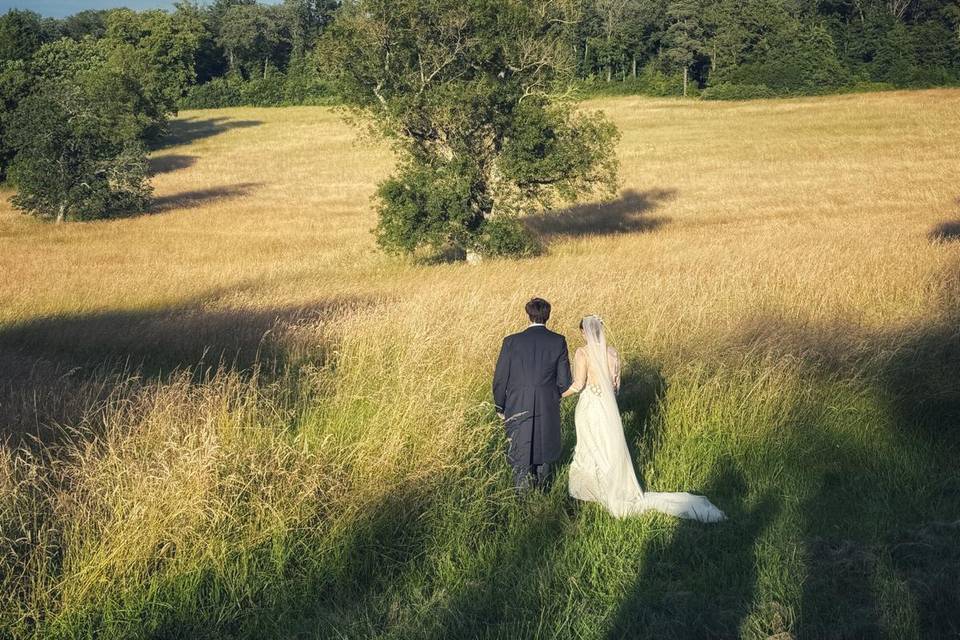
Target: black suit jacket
532	371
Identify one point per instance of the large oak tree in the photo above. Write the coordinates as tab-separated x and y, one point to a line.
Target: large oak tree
474	94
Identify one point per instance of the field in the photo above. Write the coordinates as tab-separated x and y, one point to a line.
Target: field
236	418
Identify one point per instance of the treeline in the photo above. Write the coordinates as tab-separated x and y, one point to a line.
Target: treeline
249	53
758	48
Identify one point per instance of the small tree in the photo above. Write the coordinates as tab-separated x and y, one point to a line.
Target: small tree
72	163
472	94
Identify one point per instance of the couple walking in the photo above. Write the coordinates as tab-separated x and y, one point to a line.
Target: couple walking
532	374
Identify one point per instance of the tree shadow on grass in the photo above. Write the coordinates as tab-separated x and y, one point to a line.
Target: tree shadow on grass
627	214
53	368
169	163
699	582
643	392
946	231
198	197
186	130
879	524
882	530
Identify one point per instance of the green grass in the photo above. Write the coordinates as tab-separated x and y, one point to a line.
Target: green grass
842	506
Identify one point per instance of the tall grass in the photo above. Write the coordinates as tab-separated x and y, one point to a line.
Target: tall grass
236	419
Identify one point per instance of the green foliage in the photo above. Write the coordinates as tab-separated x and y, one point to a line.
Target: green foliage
432	206
70	162
156	49
91	22
217	93
729	91
650	81
15	84
894	59
253	37
552	155
684	37
305	21
300	85
800	59
507	237
22	33
432	209
469	93
790	47
87	67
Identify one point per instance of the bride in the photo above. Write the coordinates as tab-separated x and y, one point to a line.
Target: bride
602	470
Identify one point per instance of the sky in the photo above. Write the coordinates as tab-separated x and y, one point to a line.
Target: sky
62	8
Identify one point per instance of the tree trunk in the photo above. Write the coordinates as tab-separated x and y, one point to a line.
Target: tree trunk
609	62
634	70
61	214
265	62
684	82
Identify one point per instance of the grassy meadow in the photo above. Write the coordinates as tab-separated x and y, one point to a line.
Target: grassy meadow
236	418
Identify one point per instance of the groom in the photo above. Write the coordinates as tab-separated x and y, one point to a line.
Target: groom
532	371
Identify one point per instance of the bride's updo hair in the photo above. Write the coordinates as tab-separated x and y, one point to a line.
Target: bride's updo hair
538	310
585	317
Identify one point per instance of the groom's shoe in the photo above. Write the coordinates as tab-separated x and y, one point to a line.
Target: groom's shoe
542	477
523	482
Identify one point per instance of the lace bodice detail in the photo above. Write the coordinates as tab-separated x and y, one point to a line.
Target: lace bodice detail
584	378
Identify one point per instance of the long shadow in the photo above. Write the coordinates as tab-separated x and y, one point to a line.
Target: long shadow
169	163
700	582
627	214
323	588
946	231
880	529
186	130
877	523
199	197
488	601
643	392
923	381
53	368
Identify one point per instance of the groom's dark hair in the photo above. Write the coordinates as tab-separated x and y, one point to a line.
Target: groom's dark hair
539	310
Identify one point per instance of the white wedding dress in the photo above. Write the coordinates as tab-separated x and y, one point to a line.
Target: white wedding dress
602	470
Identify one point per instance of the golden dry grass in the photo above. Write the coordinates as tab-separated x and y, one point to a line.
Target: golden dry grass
771	259
814	207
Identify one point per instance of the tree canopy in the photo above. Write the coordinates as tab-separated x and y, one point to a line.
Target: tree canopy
472	94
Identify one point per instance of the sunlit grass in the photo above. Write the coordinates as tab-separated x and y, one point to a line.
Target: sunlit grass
236	417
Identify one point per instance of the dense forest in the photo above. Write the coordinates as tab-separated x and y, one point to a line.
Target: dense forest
83	98
231	52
